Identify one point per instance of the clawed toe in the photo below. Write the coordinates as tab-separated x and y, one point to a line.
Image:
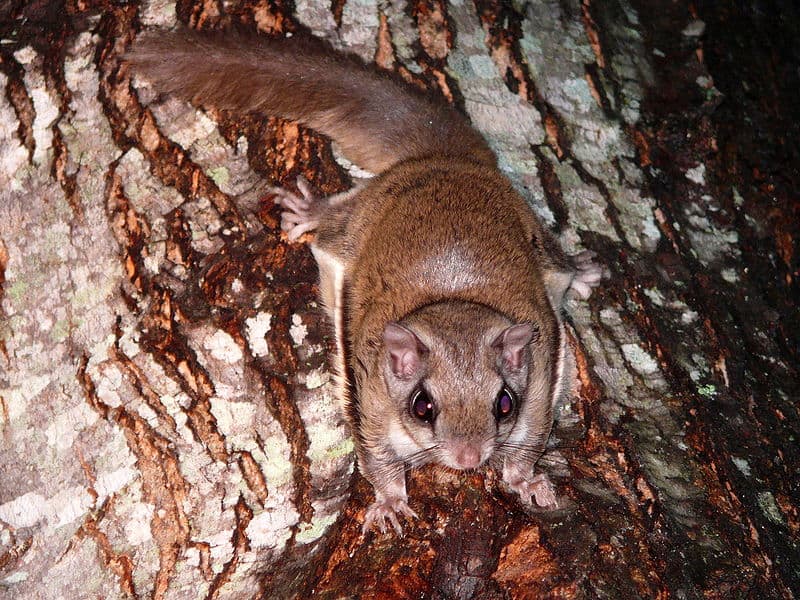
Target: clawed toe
584	258
293	203
588	274
543	491
387	510
301	211
293	232
581	289
539	489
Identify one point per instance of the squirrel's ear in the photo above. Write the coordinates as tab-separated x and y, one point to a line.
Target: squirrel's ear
511	345
404	350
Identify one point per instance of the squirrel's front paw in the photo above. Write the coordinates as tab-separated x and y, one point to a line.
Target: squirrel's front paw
302	212
387	509
588	274
538	488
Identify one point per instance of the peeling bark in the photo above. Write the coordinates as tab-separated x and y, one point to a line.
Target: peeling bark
168	420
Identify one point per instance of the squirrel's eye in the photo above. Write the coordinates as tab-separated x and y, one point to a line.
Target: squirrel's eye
504	403
422	406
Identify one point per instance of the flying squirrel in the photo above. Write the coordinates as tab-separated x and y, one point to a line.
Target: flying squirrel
444	289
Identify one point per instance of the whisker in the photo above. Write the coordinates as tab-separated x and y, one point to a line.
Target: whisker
528	451
406	463
522	446
421	457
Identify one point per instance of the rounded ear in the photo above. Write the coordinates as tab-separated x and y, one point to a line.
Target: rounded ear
404	349
511	344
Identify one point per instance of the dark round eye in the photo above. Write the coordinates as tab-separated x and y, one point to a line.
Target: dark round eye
504	403
422	406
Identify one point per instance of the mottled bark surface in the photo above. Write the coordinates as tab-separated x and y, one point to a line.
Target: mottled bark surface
168	425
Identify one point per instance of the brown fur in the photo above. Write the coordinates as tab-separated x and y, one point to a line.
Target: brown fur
438	243
376	120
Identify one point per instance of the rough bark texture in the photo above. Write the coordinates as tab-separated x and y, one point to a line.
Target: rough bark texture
167	421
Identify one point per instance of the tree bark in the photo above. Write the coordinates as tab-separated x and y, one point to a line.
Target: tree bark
168	420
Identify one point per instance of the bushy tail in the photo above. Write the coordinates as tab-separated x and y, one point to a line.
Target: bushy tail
376	120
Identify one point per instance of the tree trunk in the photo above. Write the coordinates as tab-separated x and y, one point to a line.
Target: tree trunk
168	419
